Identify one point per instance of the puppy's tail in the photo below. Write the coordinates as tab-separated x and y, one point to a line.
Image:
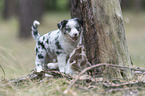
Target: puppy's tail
35	33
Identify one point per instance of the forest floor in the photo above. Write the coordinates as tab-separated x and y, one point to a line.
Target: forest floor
17	56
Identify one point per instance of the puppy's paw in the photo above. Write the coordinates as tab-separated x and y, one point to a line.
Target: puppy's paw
39	69
62	70
52	65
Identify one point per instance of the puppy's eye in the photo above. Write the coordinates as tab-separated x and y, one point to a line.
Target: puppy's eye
78	28
68	29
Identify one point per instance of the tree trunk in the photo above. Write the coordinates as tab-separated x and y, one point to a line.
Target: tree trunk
126	4
138	5
54	4
104	33
29	11
9	8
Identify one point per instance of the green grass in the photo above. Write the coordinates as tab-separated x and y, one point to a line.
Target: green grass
17	56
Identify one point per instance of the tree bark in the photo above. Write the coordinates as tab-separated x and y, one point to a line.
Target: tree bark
29	11
104	33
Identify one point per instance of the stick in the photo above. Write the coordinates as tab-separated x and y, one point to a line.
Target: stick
82	72
127	84
3	71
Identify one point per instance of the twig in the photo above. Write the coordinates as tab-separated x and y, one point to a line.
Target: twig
82	72
38	76
3	71
127	84
34	76
96	66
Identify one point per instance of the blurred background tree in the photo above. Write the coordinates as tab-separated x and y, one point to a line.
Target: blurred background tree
29	10
10	8
136	5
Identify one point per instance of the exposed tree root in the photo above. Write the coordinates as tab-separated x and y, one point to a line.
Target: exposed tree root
111	85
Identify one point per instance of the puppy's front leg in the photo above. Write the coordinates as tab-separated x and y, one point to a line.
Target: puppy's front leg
62	62
69	70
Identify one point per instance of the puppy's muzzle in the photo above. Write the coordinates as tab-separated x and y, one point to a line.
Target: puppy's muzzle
75	37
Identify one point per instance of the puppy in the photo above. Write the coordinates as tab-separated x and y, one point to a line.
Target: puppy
57	44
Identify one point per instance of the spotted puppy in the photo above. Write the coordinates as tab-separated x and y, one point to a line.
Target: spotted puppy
57	44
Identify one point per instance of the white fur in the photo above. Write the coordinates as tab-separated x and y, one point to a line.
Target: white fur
36	23
56	39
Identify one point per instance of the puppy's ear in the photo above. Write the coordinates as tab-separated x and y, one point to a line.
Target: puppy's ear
62	24
80	21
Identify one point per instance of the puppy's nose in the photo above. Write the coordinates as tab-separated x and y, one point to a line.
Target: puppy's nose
75	34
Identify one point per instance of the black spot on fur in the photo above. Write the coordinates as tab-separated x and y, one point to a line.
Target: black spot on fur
43	38
62	24
58	45
38	64
40	56
42	45
47	41
34	27
57	52
64	32
56	39
80	21
35	32
36	50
